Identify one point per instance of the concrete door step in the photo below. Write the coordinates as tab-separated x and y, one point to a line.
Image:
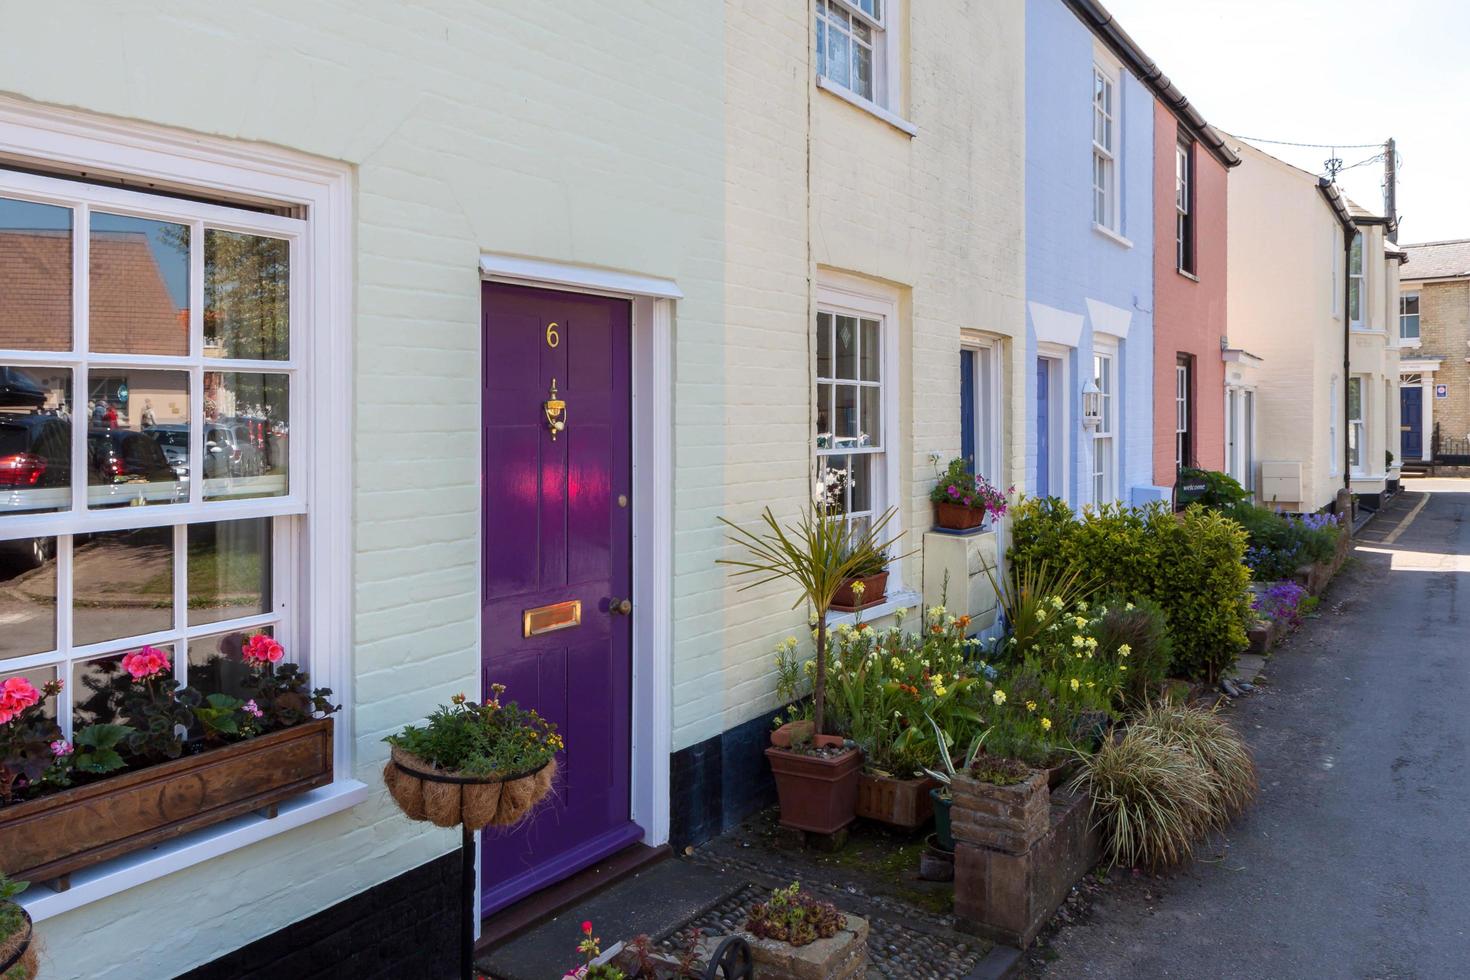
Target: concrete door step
652	901
1248	667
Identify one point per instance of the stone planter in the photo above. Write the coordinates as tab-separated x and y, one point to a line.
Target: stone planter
1004	818
840	957
54	835
901	803
875	591
817	793
958	517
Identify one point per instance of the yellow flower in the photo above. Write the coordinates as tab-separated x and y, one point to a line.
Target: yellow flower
999	697
1079	621
1092	643
1123	667
1128	607
1079	641
858	588
1089	685
1030	705
1124	650
895	664
1075	684
1057	603
937	680
1046	724
939	690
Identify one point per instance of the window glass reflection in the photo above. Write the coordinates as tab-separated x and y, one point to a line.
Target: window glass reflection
123	584
35	439
27	597
246	296
246	435
229	570
137	437
99	688
139	285
215	663
35	276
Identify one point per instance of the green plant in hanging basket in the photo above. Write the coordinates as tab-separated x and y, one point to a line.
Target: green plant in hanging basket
476	764
17	950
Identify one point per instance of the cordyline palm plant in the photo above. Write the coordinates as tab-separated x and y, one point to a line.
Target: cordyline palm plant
1034	596
817	553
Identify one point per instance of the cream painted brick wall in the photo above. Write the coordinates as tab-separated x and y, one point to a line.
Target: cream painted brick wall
938	219
580	132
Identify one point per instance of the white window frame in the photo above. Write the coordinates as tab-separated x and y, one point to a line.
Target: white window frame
1417	298
1184	236
317	559
1106	119
1357	426
846	296
1059	406
885	99
1357	277
1105	438
1181	415
986	352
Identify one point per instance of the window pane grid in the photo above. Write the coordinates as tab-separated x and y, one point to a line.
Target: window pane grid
849	413
846	44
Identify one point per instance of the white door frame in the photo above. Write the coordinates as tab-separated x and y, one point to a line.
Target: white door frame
1059	410
652	300
1426	369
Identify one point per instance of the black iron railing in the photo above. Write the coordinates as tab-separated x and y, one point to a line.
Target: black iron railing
1446	449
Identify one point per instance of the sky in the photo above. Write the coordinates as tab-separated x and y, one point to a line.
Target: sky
1332	72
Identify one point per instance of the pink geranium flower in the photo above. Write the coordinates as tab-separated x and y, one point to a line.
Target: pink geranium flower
18	693
261	649
252	709
147	663
61	747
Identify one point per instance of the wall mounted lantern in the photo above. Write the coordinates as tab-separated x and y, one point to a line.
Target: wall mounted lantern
1091	406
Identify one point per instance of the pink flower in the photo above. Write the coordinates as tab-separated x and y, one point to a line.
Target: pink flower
252	709
260	650
5	713
18	694
953	491
61	747
146	663
587	927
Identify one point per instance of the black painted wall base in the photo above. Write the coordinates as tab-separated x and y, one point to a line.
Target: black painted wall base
407	927
717	783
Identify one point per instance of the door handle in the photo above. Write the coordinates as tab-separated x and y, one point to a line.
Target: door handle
620	607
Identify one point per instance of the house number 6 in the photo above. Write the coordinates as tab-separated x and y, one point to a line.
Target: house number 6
552	337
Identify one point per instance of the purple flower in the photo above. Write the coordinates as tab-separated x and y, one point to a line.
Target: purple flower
252	709
969	501
953	491
61	747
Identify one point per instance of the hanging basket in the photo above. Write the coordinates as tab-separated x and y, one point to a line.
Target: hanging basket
18	952
446	799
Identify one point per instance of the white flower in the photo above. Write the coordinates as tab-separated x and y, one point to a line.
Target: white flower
1128	607
936	612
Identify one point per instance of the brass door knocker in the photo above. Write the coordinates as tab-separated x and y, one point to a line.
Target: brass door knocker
556	412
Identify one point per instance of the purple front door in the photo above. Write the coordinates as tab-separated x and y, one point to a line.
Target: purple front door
557	530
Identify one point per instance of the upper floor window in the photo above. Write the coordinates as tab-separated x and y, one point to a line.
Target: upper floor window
852	46
1355	281
1409	316
1104	142
1184	207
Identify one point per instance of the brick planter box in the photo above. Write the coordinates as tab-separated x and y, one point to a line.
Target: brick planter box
1009	819
1007	896
842	957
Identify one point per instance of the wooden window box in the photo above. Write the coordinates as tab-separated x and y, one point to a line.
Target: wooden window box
50	837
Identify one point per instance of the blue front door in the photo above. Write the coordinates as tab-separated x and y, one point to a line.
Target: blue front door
1411	423
1043	428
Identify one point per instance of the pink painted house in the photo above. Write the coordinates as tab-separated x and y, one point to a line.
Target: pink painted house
1189	304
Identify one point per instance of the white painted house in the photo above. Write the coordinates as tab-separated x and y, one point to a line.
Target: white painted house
749	213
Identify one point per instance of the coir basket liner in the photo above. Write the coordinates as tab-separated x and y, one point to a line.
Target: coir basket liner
446	799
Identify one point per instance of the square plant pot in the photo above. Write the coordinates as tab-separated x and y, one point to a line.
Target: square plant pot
901	803
817	794
843	956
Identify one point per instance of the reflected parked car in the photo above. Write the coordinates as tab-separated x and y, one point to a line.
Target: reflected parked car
122	456
35	475
232	440
174	441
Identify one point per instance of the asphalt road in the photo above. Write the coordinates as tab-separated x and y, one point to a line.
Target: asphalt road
1355	861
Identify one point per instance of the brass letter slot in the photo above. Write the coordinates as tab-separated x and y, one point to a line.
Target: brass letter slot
549	619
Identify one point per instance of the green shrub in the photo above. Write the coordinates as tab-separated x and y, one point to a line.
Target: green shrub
1213	744
1152	800
1278	545
1190	564
1141	627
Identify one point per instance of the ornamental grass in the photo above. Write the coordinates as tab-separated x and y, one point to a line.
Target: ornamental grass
1212	743
1152	800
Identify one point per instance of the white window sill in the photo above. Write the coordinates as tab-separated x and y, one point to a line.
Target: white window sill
120	874
1112	235
1406	343
1188	275
903	599
867	105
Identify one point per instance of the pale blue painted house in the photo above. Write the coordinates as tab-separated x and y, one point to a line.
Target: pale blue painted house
1089	261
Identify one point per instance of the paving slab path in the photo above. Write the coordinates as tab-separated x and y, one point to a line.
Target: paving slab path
1355	861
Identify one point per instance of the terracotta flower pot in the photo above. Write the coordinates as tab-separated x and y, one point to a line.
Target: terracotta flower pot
817	793
875	590
958	517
